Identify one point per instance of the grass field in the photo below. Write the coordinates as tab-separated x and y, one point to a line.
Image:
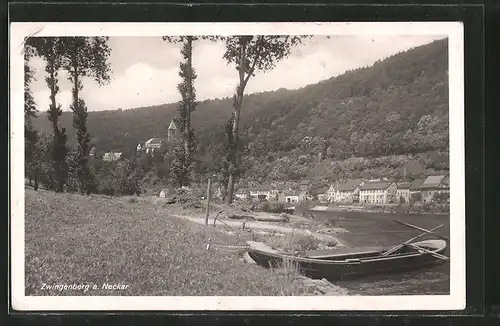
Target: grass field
71	239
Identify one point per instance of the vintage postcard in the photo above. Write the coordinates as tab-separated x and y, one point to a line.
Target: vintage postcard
237	166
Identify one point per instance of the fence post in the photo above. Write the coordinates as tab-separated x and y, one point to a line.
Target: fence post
209	196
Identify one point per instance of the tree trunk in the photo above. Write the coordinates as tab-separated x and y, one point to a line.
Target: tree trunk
29	177
35	187
80	135
56	140
236	123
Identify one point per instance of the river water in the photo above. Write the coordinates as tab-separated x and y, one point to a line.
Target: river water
379	229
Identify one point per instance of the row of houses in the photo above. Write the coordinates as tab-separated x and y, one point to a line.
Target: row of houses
375	191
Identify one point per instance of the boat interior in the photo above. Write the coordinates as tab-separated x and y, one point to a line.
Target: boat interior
350	254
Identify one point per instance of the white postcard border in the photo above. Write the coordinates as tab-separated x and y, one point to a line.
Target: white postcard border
455	301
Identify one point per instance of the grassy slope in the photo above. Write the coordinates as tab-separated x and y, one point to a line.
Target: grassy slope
92	240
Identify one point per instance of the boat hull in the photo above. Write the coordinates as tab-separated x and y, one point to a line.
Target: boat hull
341	267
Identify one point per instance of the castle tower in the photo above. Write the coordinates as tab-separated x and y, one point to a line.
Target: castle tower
172	130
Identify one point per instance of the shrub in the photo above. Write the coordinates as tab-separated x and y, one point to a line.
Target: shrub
272	207
441	198
426	207
285	216
295	242
302	208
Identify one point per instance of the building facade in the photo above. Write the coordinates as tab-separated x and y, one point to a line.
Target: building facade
291	197
346	191
403	192
378	192
435	184
155	143
112	156
242	193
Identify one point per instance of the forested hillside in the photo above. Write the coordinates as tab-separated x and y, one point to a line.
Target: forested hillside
367	122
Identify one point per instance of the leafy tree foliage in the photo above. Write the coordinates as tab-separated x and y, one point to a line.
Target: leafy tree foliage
118	178
30	135
49	48
250	54
84	57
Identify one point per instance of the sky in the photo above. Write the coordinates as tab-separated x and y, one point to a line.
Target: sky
145	69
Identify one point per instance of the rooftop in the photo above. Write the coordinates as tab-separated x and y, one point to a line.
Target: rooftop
404	185
348	185
432	181
376	185
446	182
320	190
415	184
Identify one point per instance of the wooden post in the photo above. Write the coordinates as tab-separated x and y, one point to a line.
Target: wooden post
209	196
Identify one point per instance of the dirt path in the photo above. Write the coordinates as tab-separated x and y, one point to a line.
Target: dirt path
261	226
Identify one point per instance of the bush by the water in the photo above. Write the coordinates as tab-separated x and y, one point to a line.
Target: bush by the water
294	242
303	207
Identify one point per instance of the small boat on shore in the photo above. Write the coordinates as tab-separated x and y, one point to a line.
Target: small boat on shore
344	263
349	262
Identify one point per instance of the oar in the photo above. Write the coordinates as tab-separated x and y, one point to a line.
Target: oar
393	249
428	251
423	230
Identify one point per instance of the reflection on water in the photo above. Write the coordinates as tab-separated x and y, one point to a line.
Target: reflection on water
378	229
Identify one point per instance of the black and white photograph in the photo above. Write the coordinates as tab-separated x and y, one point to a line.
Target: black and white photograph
237	166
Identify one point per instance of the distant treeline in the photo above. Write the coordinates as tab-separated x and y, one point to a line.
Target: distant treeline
377	120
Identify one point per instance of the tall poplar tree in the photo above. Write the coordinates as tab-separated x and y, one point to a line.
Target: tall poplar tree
184	152
84	57
30	135
49	49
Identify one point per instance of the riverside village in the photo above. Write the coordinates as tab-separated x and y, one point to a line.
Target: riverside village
237	166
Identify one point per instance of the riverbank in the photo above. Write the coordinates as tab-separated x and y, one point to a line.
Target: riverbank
392	209
141	245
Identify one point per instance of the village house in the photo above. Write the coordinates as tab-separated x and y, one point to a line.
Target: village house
378	192
403	192
305	185
415	186
289	196
444	187
112	156
331	192
242	193
163	193
345	191
432	185
320	194
415	193
264	194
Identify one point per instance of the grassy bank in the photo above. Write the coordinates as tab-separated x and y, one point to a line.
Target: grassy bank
71	239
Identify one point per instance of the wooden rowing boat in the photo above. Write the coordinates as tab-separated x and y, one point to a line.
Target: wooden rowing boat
354	262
